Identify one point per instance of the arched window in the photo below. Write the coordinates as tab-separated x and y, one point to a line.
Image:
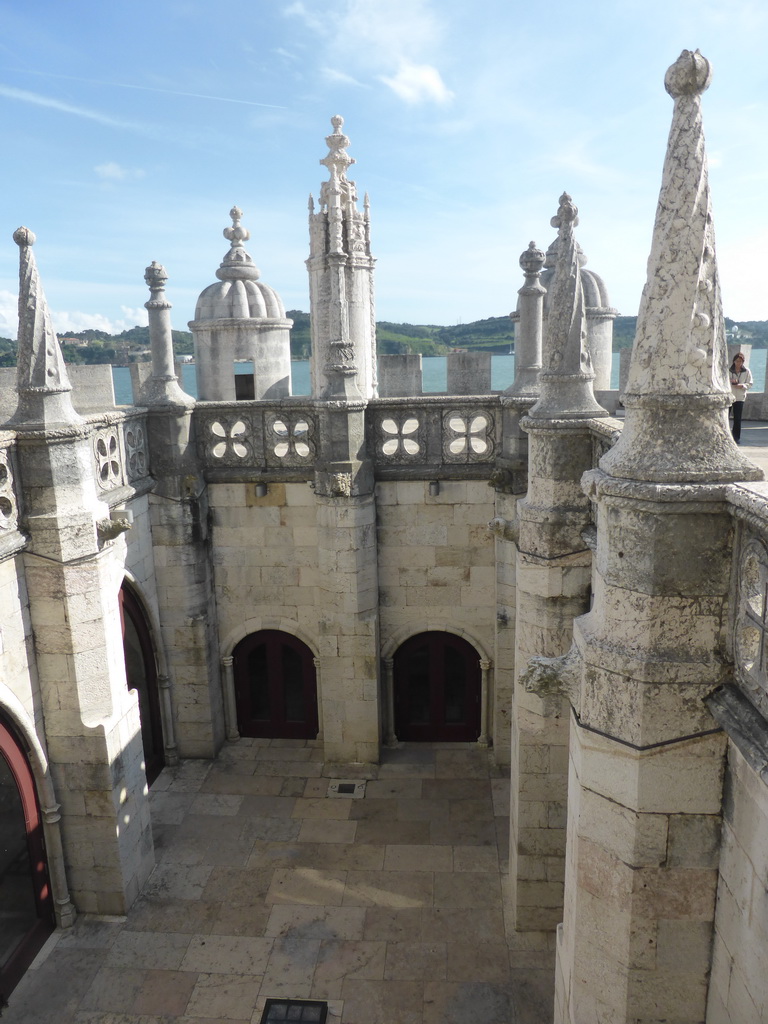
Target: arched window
26	903
437	689
275	686
141	673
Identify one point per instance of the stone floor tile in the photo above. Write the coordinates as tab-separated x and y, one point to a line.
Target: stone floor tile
455	789
219	804
381	1002
395	889
154	914
500	793
367	810
325	831
307	885
406	771
53	992
263	806
394	924
223	997
339	959
233	919
227	954
285	754
476	858
410	755
321	855
418	858
463	833
322	808
289	769
472	809
320	923
422	810
162	951
408	833
466	1002
297	785
477	961
459	764
532	995
173	881
228	853
182	850
165	993
90	932
115	989
242	887
314	788
169	808
278	830
475	924
415	961
291	966
205	826
466	889
380	789
242	785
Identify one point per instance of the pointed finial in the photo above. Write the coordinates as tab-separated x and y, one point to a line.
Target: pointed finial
338	160
42	379
567	214
677	389
532	260
237	264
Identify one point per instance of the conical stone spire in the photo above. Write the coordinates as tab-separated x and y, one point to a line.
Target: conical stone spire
42	381
566	377
677	391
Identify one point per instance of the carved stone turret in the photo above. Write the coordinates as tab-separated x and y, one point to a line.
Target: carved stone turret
241	318
341	283
163	387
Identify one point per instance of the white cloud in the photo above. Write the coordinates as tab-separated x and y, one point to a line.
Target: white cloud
77	321
332	75
112	171
418	83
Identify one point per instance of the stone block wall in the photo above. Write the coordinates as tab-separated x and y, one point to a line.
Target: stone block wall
739	982
17	675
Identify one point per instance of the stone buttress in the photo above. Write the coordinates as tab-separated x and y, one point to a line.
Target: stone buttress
343	378
178	507
73	565
646	757
552	579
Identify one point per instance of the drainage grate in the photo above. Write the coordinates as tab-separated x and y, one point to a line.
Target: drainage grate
280	1011
350	788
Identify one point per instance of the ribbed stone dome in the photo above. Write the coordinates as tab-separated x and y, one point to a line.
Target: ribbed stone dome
238	293
595	292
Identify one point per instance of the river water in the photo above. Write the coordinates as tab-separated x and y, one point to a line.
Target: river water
433	375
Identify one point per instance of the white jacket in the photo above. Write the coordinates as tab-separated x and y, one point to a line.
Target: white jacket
740	383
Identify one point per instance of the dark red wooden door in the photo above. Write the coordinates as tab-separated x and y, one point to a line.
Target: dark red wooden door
275	686
437	683
26	903
141	673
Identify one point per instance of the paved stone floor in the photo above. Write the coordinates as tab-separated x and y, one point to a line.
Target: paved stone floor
389	907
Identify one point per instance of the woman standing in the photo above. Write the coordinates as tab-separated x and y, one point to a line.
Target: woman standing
741	382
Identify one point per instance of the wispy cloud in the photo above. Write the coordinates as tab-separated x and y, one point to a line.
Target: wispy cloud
65	108
332	75
417	83
112	171
148	88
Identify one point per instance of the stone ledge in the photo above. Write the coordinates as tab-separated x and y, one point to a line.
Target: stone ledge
744	726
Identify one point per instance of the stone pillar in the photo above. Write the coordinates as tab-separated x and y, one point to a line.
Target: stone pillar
468	373
552	580
73	571
528	325
646	757
178	510
400	376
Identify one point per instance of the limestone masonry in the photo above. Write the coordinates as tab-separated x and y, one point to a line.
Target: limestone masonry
574	580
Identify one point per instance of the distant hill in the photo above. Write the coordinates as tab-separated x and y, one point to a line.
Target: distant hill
495	334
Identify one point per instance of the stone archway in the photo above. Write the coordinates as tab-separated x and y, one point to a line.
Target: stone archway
275	686
141	675
437	681
26	901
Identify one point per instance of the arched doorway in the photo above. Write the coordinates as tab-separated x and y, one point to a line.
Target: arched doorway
26	902
275	686
437	689
141	673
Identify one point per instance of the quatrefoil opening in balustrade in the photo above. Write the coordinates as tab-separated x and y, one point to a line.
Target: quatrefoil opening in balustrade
136	453
108	460
232	439
399	439
467	436
751	633
7	499
293	438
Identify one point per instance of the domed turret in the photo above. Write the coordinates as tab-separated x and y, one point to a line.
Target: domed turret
239	318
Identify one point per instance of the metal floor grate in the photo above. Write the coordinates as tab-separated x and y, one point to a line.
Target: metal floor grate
282	1011
352	789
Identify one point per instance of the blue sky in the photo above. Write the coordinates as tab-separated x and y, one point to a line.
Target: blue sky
131	127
